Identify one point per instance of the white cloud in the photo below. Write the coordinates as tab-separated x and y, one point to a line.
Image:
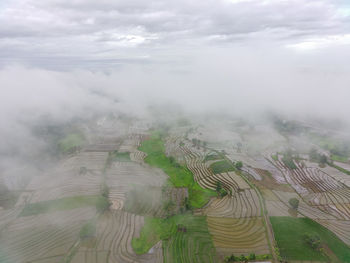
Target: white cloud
322	42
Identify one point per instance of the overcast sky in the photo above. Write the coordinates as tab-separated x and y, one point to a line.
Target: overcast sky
208	54
65	34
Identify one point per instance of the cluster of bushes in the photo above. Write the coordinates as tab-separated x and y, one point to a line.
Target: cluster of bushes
243	258
314	156
313	241
294	202
173	162
220	190
288	161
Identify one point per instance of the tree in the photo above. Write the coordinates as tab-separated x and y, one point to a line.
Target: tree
171	159
313	240
231	258
243	258
218	186
239	165
294	203
102	204
105	191
252	256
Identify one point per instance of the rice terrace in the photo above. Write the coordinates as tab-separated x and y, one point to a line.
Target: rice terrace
170	191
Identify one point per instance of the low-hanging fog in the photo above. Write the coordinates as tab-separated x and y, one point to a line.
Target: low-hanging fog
70	60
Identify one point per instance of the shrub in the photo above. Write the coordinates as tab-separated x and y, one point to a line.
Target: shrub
252	256
313	240
102	204
231	258
239	165
294	203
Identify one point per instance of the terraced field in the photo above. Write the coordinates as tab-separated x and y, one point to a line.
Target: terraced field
193	245
174	198
238	235
114	232
121	177
241	204
47	236
319	190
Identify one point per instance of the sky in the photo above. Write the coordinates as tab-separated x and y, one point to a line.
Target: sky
286	55
104	35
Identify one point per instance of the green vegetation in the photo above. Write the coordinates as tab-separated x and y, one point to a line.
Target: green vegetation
71	143
60	204
338	158
191	242
119	157
221	167
293	246
179	176
156	229
339	168
314	156
339	149
239	165
294	202
153	230
88	230
243	258
274	157
313	240
212	156
102	204
219	190
288	161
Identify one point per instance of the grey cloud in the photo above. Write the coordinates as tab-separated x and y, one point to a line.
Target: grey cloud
86	27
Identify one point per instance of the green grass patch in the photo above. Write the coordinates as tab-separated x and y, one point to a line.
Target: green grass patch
71	143
185	238
338	158
289	162
179	176
274	157
289	233
66	203
221	167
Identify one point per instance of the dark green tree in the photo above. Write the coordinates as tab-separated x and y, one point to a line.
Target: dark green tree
239	165
294	202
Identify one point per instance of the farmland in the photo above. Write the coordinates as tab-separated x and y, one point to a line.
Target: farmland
163	193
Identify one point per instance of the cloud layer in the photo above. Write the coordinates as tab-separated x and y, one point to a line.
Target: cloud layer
65	34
